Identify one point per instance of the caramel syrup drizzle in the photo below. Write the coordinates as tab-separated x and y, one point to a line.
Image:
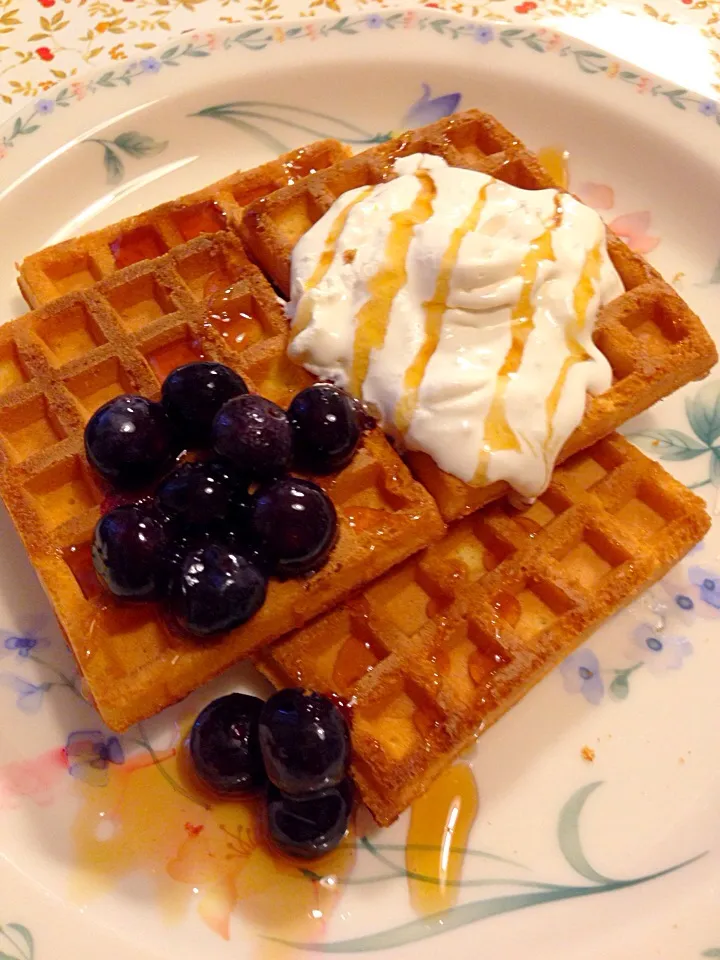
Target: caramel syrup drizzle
304	315
498	433
434	311
582	295
372	318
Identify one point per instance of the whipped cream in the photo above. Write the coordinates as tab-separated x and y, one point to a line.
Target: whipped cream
460	309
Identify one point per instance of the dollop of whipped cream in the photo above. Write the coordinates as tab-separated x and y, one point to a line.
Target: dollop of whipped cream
460	309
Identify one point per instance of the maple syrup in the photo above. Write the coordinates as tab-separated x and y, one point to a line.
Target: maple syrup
140	244
166	359
440	824
440	656
372	318
216	282
197	850
528	524
79	558
232	319
582	295
355	658
498	433
426	722
434	313
437	603
200	218
323	265
555	161
477	667
363	519
508	607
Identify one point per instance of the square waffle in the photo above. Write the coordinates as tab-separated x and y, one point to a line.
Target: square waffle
79	263
651	338
440	647
60	363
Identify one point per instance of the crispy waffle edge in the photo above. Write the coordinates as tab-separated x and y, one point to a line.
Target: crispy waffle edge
80	262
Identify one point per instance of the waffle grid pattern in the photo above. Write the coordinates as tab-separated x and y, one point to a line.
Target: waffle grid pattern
58	364
653	341
79	263
443	641
441	646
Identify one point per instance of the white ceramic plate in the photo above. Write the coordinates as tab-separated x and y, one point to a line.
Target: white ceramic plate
102	854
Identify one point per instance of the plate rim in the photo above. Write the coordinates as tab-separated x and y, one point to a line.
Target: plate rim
591	59
476	24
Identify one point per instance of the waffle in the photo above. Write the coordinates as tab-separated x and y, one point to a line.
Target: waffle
441	646
653	341
79	263
58	364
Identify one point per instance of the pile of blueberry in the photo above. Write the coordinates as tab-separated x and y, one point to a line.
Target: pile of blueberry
215	511
295	747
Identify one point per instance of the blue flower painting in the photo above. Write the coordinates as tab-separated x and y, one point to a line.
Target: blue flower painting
581	674
89	754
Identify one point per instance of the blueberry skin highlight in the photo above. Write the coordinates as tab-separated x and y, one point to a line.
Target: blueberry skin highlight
128	552
130	441
215	590
304	740
225	748
193	393
309	826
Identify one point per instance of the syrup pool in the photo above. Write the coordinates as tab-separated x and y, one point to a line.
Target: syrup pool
440	824
207	855
200	853
233	318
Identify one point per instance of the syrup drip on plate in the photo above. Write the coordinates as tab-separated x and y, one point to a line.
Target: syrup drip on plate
198	852
440	824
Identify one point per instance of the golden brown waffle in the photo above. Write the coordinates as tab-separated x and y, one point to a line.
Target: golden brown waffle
79	263
440	647
58	364
652	339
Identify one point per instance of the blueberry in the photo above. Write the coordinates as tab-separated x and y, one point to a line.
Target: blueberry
215	589
230	532
304	741
224	745
182	542
295	525
128	552
255	435
240	510
309	826
130	440
193	394
326	428
198	493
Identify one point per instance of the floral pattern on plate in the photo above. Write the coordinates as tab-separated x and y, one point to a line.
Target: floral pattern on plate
703	415
253	117
16	942
73	760
257	38
218	848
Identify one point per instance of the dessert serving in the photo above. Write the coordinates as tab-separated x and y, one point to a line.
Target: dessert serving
436	650
123	337
200	472
507	395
